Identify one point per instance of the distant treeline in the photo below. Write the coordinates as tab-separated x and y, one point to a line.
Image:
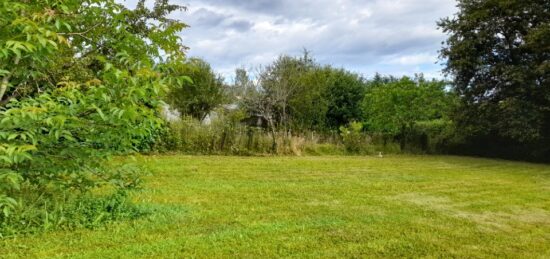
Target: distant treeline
495	104
296	96
277	108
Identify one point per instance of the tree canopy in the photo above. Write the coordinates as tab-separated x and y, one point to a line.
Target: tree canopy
498	54
198	96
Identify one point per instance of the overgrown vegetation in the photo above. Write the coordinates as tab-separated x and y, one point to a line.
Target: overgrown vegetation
497	103
498	56
84	81
296	104
79	85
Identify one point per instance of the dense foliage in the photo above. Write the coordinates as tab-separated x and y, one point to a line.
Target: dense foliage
299	104
200	95
394	106
496	104
79	85
498	54
297	94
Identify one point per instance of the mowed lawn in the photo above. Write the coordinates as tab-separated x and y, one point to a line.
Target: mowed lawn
263	207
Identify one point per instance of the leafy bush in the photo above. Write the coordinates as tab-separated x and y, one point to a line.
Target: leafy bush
44	144
431	136
79	83
355	141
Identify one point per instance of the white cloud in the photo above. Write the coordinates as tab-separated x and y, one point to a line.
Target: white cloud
367	36
412	60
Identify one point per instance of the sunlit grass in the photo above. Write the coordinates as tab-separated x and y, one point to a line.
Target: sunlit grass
322	207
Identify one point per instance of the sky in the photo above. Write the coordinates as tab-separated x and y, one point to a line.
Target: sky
397	37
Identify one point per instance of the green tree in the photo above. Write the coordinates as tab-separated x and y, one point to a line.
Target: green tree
281	82
200	95
498	54
45	42
308	105
344	94
392	107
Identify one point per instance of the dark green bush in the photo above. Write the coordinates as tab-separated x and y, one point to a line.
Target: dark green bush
430	136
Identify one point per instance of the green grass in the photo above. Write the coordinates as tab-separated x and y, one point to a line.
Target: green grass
402	206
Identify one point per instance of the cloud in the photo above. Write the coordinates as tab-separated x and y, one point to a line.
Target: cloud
388	36
412	60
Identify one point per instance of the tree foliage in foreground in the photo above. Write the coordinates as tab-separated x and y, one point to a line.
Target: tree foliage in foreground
78	84
498	53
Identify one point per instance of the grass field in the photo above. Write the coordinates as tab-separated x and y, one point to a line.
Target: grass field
402	206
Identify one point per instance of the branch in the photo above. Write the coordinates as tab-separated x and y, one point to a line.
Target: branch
79	33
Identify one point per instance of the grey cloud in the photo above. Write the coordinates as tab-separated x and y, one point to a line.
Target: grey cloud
241	25
367	36
207	18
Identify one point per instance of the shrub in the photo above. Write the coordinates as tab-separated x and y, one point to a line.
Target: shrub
44	147
353	138
80	82
430	136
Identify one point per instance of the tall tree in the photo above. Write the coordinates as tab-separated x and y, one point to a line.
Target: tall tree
498	53
281	81
344	93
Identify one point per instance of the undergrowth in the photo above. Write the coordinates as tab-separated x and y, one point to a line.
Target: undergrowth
68	213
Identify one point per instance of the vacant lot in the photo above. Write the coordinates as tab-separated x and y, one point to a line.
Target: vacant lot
322	207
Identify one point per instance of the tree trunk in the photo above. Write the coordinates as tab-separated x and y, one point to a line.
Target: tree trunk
6	81
250	139
273	137
222	142
403	138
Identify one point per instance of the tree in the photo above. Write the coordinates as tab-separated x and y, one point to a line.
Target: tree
200	95
394	107
498	54
344	93
308	106
303	95
280	81
79	84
